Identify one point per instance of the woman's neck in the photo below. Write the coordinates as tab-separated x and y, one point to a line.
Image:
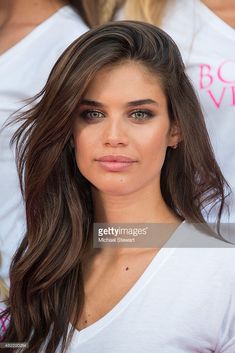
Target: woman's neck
33	12
143	206
223	9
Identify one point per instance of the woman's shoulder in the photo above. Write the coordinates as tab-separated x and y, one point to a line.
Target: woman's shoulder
70	20
211	249
206	236
66	25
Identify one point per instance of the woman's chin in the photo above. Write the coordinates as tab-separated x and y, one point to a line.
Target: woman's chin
115	189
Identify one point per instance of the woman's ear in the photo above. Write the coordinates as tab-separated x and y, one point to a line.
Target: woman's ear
175	136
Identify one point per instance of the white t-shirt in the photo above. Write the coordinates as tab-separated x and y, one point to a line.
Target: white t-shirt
24	70
207	45
184	302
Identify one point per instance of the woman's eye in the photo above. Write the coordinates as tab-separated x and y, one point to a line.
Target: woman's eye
92	115
142	115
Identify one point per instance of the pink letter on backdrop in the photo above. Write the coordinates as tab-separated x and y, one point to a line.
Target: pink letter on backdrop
233	93
220	74
217	103
205	74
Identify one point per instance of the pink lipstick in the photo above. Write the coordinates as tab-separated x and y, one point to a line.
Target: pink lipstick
115	163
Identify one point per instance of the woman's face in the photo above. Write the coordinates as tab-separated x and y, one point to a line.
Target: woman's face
122	130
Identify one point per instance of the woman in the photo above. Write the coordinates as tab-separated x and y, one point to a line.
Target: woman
33	34
117	136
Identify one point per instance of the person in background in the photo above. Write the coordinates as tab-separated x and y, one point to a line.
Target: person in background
33	34
117	136
205	34
97	12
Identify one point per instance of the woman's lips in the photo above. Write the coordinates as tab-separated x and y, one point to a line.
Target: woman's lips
115	163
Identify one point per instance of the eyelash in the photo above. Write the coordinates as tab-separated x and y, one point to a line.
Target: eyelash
148	115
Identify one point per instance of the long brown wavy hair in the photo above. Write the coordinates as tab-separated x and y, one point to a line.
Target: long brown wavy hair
47	289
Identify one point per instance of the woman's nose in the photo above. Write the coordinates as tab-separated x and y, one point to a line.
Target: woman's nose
115	133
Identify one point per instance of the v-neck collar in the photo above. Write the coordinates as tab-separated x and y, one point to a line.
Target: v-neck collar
30	37
213	20
154	266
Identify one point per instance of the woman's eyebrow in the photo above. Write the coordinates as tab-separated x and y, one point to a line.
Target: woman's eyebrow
91	102
133	103
142	102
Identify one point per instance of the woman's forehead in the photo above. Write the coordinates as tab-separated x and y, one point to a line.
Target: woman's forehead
130	80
